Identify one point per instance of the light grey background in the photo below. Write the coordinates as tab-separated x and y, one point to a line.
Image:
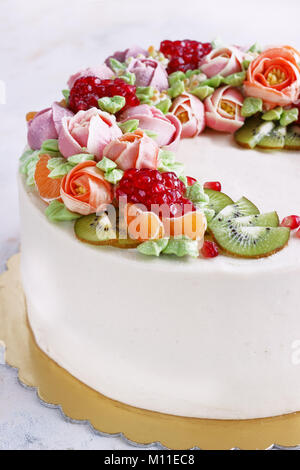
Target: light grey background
41	44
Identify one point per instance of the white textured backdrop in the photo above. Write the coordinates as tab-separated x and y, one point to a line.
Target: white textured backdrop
41	44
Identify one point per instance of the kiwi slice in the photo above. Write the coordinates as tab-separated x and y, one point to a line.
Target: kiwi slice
252	132
275	139
269	219
217	200
241	208
292	138
99	230
250	242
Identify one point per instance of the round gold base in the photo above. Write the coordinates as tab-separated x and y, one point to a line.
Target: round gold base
79	402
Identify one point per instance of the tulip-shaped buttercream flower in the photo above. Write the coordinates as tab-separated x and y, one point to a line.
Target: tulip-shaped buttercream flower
121	56
222	61
191	113
274	76
133	150
84	189
101	71
167	127
88	131
46	125
223	109
149	72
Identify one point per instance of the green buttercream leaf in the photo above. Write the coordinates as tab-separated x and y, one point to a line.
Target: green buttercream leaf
255	48
114	176
153	247
213	82
150	133
196	194
182	247
80	158
245	64
273	114
209	213
251	106
57	212
166	157
216	43
31	170
203	92
164	105
129	126
145	93
236	79
190	73
106	164
176	89
50	145
175	77
184	180
28	162
128	77
58	167
116	66
176	167
112	105
288	116
66	95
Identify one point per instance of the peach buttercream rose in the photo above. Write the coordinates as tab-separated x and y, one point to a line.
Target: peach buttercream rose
274	76
223	60
190	112
84	189
90	130
133	150
223	109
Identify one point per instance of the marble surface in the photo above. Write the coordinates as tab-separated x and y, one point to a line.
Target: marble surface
42	43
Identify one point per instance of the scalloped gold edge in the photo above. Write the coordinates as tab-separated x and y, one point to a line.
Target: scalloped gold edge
56	386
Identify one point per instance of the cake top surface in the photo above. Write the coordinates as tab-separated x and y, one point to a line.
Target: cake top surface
138	153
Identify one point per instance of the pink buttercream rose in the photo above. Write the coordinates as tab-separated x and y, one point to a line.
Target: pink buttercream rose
101	71
92	130
191	113
224	61
121	56
223	109
46	125
167	127
84	189
133	150
149	72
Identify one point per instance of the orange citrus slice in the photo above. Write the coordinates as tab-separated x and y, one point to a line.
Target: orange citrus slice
192	225
48	188
143	225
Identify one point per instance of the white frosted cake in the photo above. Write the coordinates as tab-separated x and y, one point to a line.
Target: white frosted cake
203	323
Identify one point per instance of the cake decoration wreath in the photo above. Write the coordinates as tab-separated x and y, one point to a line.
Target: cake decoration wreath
103	157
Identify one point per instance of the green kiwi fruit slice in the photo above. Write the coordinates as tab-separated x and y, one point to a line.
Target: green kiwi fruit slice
252	132
217	200
269	219
241	208
275	139
248	241
292	138
99	230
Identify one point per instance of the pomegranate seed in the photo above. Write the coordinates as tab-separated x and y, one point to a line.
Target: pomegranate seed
184	55
191	180
150	187
86	92
298	233
292	222
215	185
209	250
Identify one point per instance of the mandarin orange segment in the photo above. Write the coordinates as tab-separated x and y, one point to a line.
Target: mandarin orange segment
48	188
143	225
192	225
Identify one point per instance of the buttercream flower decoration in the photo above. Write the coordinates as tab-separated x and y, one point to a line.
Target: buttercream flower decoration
46	125
84	189
191	113
88	131
274	77
101	71
133	150
166	127
148	72
223	109
122	56
222	61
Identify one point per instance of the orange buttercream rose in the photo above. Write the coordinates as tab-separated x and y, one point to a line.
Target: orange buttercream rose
274	76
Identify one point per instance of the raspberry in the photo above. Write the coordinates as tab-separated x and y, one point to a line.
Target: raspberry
292	222
215	185
149	187
86	92
209	250
184	55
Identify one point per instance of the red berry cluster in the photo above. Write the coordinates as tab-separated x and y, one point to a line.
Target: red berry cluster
150	187
184	55
86	92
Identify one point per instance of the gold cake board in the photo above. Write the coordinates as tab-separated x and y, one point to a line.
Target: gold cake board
57	387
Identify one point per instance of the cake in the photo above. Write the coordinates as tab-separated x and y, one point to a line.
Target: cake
197	314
